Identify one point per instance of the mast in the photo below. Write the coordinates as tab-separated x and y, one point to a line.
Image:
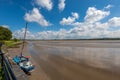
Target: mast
24	38
26	26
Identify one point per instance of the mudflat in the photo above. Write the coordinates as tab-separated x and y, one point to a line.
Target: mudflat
76	59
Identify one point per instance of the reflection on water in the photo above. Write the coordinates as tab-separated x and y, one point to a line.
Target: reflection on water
108	58
97	57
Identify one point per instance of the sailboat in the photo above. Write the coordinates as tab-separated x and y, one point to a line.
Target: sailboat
24	61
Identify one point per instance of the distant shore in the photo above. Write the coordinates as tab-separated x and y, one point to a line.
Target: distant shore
72	39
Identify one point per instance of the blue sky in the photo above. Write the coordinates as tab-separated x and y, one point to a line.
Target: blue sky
61	19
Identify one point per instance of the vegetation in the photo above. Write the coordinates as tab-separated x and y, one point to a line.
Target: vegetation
15	40
5	34
12	44
103	39
6	38
1	73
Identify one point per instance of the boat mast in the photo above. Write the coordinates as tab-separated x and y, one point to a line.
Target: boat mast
24	38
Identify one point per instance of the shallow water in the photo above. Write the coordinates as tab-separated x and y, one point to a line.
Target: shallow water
98	54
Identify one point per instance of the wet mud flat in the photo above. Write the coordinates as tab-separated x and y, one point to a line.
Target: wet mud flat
77	60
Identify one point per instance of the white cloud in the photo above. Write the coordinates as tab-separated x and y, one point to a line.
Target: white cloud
91	27
36	16
20	34
93	15
115	21
108	6
48	4
40	35
75	15
70	19
61	5
6	26
51	34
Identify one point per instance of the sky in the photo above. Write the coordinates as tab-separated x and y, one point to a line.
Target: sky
61	19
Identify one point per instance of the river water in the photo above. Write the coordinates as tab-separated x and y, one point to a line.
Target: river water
63	59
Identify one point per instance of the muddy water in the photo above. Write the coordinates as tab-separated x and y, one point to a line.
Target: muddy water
78	60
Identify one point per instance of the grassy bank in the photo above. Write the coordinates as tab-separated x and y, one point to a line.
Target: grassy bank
12	44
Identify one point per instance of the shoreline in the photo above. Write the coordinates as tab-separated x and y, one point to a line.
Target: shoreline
48	65
38	73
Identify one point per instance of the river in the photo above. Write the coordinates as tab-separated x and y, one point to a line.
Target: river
78	60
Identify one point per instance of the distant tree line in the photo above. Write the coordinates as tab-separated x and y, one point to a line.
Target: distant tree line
101	39
107	39
74	39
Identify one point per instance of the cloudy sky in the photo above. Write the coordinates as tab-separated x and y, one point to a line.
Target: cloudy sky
61	19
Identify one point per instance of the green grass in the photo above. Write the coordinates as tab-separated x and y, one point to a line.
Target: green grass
12	44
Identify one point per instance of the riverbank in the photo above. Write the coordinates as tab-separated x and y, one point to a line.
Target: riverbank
12	52
37	74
